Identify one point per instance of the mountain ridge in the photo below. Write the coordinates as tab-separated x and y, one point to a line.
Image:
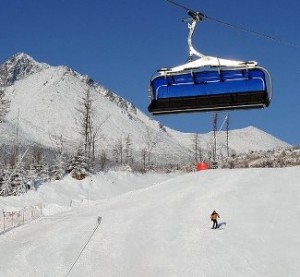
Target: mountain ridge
44	106
17	67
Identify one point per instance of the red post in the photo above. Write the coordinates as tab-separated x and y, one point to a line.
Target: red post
202	166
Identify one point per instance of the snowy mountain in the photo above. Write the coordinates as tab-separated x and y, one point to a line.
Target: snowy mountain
18	67
44	102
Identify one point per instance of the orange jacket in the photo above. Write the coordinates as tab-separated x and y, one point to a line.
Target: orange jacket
214	216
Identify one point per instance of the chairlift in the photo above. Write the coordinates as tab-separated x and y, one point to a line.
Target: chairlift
208	83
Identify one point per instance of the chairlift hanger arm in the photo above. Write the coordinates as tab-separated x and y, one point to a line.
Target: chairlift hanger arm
193	51
195	17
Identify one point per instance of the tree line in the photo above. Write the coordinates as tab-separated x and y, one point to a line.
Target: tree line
26	167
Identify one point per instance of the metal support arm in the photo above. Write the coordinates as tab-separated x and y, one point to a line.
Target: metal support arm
193	51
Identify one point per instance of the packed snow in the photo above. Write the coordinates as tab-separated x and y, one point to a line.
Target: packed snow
159	225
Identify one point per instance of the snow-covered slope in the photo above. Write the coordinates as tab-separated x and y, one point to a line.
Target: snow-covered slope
242	140
44	103
163	228
249	139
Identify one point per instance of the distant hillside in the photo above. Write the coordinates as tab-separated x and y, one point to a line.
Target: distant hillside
260	159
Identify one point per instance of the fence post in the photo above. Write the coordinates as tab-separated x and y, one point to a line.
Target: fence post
15	217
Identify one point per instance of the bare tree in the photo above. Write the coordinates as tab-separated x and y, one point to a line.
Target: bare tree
39	166
59	143
36	155
128	150
103	160
118	151
14	182
227	135
144	155
151	140
14	153
89	130
197	148
215	123
96	133
86	123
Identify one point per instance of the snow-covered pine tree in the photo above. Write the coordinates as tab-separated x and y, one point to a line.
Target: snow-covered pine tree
2	182
16	179
58	169
44	172
78	166
18	183
39	169
5	184
32	178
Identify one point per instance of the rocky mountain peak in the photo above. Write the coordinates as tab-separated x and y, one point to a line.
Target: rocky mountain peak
18	67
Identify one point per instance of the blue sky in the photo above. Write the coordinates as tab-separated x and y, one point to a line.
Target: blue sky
121	43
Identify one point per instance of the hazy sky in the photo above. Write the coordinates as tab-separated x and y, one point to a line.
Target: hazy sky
121	43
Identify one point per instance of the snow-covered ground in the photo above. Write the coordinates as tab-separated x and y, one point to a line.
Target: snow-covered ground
158	225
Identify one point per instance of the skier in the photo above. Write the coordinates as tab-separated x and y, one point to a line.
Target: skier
214	217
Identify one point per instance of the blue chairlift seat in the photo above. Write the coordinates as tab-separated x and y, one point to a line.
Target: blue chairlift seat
211	90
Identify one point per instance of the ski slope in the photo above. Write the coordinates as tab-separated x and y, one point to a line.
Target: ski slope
158	225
